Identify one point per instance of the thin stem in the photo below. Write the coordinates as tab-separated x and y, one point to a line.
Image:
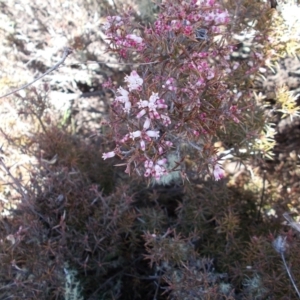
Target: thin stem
157	287
21	190
261	198
67	51
115	63
290	274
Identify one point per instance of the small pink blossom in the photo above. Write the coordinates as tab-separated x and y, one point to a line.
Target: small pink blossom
235	65
168	144
143	103
148	163
235	119
162	161
108	155
196	133
222	18
210	74
153	104
156	170
144	136
124	98
210	2
125	138
134	81
107	84
166	120
135	38
124	95
188	30
170	82
147	172
132	41
152	101
218	172
153	133
135	134
147	123
200	82
141	113
117	20
127	106
143	145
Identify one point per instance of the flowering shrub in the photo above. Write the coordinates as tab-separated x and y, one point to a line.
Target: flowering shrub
181	96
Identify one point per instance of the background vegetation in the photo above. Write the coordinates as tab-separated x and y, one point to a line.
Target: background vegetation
74	226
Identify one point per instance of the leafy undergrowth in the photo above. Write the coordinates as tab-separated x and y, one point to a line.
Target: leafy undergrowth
81	230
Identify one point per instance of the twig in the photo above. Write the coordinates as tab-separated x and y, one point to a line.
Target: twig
3	199
21	190
116	63
258	215
290	274
280	246
157	288
67	51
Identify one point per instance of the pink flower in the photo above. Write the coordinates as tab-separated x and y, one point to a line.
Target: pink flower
147	172
134	38
168	144
135	134
108	155
117	20
141	113
162	161
152	133
210	74
156	170
188	30
147	123
218	172
143	145
148	163
127	106
200	81
153	104
210	2
134	81
124	98
235	65
132	41
124	95
166	120
222	18
144	136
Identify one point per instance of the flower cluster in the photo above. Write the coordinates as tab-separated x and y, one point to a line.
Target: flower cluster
120	39
186	93
147	111
155	170
188	17
112	21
